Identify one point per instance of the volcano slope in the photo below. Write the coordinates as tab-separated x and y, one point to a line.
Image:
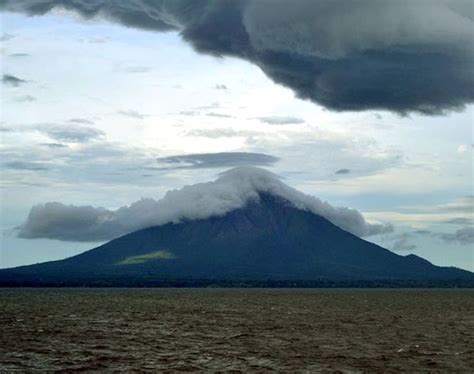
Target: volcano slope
267	242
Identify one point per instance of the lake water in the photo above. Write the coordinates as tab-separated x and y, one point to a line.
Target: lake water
237	330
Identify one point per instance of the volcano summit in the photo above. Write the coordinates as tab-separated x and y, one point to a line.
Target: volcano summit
245	228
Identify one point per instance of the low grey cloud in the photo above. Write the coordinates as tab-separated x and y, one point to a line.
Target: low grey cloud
25	99
71	134
19	55
459	221
402	243
136	69
216	160
409	56
82	121
189	113
281	120
232	190
70	223
464	236
25	165
343	171
54	145
422	232
6	36
13	81
132	114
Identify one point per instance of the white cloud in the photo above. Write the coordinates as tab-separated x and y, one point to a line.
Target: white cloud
464	148
232	190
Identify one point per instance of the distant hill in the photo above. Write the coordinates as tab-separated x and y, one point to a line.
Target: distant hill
267	242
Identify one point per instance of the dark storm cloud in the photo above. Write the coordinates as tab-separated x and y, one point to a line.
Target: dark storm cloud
403	56
343	171
216	160
11	80
278	120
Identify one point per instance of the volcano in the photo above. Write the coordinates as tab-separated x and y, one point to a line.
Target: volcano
272	239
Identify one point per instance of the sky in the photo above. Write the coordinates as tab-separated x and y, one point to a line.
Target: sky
100	112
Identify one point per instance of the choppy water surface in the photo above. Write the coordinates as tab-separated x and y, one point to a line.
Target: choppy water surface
235	329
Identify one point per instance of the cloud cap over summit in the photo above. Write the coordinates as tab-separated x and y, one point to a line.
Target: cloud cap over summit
409	56
232	190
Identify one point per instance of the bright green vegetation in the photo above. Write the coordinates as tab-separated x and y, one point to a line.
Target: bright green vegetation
158	255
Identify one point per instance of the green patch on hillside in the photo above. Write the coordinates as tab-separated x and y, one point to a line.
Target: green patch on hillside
152	256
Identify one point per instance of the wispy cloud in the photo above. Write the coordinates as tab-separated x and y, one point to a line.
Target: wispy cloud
25	99
281	120
220	133
12	80
132	114
218	115
6	36
23	165
19	55
464	236
82	121
71	134
216	160
459	221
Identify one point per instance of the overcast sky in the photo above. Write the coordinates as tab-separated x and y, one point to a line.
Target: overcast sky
97	114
